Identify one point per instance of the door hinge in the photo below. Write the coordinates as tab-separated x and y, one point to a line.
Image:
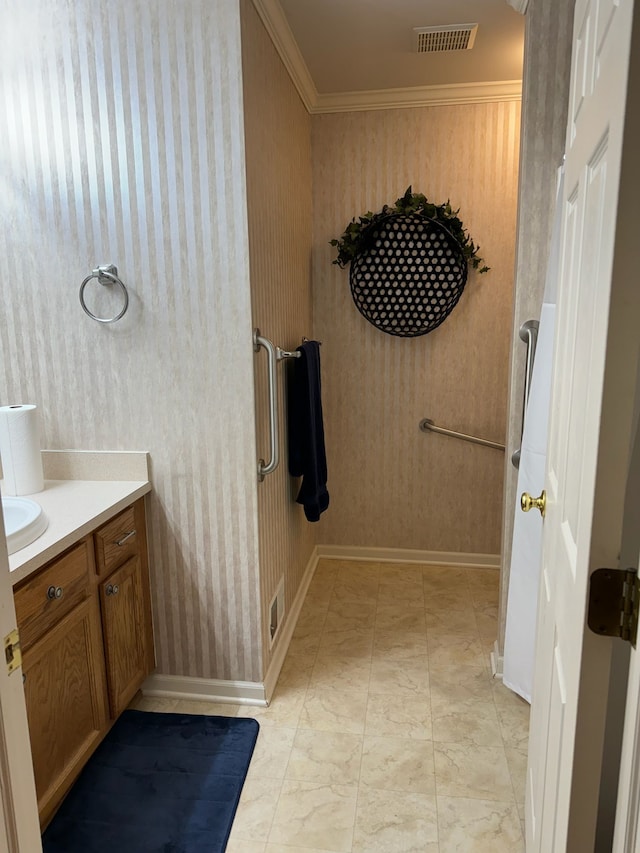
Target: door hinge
12	651
613	603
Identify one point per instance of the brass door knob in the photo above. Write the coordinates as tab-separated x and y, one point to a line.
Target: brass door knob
527	502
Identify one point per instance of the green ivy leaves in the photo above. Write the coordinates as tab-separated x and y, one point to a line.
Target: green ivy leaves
355	238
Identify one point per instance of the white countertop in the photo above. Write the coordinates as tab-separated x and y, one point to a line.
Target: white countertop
74	508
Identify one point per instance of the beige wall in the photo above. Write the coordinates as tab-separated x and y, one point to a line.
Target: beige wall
548	31
392	485
278	162
123	142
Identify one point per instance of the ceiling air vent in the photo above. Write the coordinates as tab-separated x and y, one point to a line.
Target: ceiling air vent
439	39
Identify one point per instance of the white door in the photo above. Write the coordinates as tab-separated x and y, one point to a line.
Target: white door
19	826
596	349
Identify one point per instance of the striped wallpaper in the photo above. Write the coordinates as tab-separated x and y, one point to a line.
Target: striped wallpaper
123	143
392	485
278	157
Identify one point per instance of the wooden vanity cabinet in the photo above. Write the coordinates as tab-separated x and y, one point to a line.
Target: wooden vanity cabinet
121	553
86	636
64	672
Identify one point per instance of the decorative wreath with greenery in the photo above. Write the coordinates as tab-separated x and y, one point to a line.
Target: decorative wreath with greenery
357	235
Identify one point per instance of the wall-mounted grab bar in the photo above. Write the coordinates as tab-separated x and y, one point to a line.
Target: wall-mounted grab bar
427	425
529	335
274	355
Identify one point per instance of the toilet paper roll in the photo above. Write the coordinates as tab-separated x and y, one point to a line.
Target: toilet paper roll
20	450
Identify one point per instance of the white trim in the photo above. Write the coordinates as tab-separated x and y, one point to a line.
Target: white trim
277	26
205	689
497	662
519	5
419	96
273	670
406	555
279	31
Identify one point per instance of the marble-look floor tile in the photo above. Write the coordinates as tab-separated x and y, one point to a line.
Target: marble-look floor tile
288	848
397	764
454	651
471	724
478	826
439	599
283	710
461	684
241	845
410	677
334	711
514	723
392	645
392	822
328	757
256	809
340	672
352	642
305	645
480	772
406	620
271	753
412	593
517	761
444	577
459	622
160	704
355	589
361	618
296	671
313	815
395	716
504	696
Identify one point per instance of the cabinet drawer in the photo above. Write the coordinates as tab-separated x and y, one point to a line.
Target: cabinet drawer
116	542
48	596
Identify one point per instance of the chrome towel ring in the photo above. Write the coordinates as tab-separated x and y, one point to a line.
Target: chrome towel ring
106	275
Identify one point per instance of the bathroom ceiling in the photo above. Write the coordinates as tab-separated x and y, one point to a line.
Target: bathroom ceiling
367	45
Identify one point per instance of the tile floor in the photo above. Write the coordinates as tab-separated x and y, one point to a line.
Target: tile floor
386	731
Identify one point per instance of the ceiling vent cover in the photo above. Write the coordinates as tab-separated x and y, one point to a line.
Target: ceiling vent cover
439	39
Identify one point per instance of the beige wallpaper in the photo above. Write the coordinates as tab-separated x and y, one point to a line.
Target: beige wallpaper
392	485
123	142
548	32
278	162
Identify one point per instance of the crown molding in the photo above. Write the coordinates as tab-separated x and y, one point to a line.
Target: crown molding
419	96
519	5
277	26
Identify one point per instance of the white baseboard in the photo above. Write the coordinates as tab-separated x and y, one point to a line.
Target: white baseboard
273	670
497	662
205	689
407	555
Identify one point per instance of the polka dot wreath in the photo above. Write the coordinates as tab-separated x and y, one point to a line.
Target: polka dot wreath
410	277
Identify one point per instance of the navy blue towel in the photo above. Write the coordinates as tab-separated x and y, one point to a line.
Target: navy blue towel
307	456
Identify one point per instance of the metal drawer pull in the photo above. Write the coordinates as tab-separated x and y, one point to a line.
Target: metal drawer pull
55	592
112	589
125	537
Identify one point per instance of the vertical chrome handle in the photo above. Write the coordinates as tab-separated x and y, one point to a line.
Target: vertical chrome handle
529	335
265	468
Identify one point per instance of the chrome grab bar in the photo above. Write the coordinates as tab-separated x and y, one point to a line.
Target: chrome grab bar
529	335
274	355
427	425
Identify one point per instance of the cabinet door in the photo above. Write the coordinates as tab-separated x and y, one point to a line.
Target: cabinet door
124	627
66	702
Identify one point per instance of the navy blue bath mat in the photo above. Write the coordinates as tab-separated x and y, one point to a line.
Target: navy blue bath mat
158	783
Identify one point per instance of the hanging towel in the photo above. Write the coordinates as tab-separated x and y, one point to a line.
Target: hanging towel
307	457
